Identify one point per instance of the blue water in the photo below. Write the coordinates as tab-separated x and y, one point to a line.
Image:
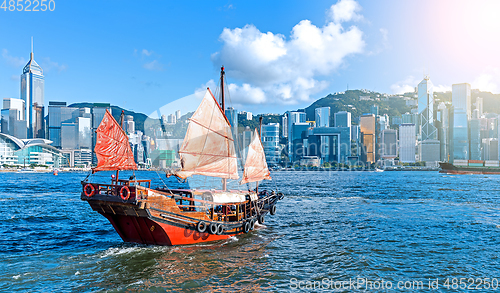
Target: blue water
390	226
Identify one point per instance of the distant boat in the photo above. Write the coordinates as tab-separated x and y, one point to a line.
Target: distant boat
379	170
164	216
26	170
471	167
55	172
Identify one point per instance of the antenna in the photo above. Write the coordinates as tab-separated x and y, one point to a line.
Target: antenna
31	55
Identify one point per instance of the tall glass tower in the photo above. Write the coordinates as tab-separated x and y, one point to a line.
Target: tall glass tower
32	92
426	109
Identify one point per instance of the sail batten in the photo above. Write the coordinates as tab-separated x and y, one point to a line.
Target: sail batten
255	166
208	147
112	147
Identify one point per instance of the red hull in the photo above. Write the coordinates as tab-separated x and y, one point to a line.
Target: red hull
146	231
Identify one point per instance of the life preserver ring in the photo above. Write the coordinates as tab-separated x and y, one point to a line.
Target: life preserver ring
125	192
261	219
252	224
86	188
213	228
272	211
201	226
246	227
220	229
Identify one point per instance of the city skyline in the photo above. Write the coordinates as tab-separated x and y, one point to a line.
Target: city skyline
161	59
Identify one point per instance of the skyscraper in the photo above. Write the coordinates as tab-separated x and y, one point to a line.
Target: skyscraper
367	128
461	102
32	92
342	119
407	140
389	144
270	141
426	109
322	117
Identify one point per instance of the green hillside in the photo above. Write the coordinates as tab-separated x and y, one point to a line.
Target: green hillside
116	111
350	101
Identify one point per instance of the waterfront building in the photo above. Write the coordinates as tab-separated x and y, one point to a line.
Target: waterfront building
355	141
426	109
479	105
232	116
245	139
475	137
294	133
284	123
81	158
129	124
342	119
429	152
69	136
411	118
490	149
32	93
54	122
461	103
374	110
98	111
83	125
14	151
330	144
270	141
407	141
322	116
389	144
367	124
296	141
443	119
178	115
12	118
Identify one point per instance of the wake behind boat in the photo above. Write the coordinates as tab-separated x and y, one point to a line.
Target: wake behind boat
164	216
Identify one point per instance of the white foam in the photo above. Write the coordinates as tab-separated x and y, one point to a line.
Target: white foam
16	277
118	250
77	273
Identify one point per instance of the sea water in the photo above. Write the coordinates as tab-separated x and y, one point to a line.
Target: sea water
334	231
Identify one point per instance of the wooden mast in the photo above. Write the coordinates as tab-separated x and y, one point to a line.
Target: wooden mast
223	106
121	125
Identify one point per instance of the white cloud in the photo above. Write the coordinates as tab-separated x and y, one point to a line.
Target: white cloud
286	70
409	84
246	94
48	65
488	81
154	65
442	88
14	61
404	86
345	10
146	52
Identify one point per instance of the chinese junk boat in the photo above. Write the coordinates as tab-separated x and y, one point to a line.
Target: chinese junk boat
163	216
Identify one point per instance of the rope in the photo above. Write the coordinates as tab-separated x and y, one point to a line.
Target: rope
238	148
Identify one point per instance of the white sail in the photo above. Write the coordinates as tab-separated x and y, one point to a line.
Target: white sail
255	165
208	147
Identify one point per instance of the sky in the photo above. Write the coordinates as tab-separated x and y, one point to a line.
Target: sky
153	56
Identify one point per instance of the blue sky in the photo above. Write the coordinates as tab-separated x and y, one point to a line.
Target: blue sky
278	55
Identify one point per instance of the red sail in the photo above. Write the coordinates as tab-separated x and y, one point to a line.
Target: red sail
112	147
